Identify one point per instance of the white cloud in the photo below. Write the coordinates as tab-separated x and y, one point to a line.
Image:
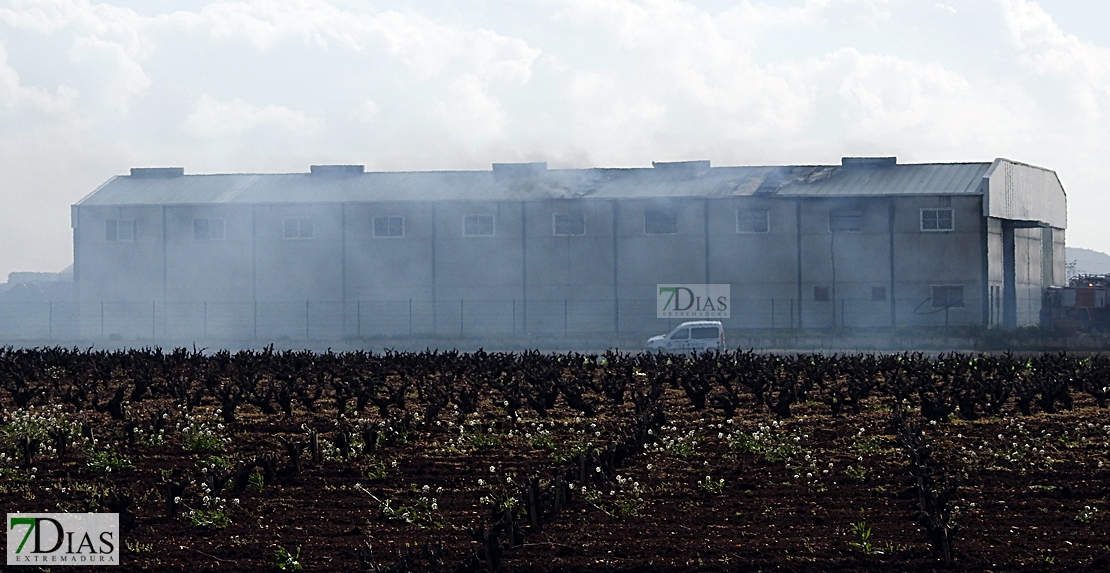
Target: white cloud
108	41
80	16
886	97
632	117
213	118
470	111
869	13
366	111
417	85
15	95
428	48
668	55
122	75
1045	49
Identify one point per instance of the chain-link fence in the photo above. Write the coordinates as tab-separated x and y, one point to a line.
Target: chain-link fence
323	320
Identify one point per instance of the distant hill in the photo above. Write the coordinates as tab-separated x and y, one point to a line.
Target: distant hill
1087	262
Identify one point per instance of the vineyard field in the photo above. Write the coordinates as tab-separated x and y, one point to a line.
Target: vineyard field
447	461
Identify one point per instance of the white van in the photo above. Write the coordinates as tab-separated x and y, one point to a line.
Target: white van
694	336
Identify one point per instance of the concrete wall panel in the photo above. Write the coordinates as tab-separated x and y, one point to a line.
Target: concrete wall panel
212	269
301	268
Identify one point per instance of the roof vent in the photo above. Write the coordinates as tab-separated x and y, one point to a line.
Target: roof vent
868	162
519	169
688	167
337	170
157	172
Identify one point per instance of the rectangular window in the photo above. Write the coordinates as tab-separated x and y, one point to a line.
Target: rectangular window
297	228
389	227
937	220
845	222
119	230
478	226
821	294
878	294
704	333
948	296
660	223
754	221
568	224
208	229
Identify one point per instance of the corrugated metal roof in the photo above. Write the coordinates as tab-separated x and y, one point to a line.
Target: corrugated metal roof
917	179
602	183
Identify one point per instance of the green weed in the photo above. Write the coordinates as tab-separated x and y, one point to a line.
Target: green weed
712	486
288	561
856	473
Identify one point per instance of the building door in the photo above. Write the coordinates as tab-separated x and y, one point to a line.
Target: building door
1009	278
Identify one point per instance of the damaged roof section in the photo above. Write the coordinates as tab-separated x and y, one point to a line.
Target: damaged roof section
535	182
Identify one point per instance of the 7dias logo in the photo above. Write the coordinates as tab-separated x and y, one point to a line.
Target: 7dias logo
692	301
49	539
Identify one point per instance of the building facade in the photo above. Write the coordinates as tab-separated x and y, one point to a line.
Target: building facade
523	250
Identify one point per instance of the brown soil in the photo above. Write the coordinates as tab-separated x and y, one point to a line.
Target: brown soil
1017	507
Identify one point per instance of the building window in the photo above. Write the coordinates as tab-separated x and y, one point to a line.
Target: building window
878	294
297	228
389	227
937	220
660	223
568	224
478	226
948	296
208	229
821	294
845	222
119	230
755	221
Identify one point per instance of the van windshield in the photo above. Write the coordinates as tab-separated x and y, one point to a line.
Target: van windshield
683	334
704	332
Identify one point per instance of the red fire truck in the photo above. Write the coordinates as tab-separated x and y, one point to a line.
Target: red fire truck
1082	306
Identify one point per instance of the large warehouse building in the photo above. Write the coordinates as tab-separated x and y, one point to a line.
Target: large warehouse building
524	250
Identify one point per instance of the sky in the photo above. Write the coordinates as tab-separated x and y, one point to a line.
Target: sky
89	89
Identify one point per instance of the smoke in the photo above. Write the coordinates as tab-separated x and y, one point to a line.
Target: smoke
90	90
